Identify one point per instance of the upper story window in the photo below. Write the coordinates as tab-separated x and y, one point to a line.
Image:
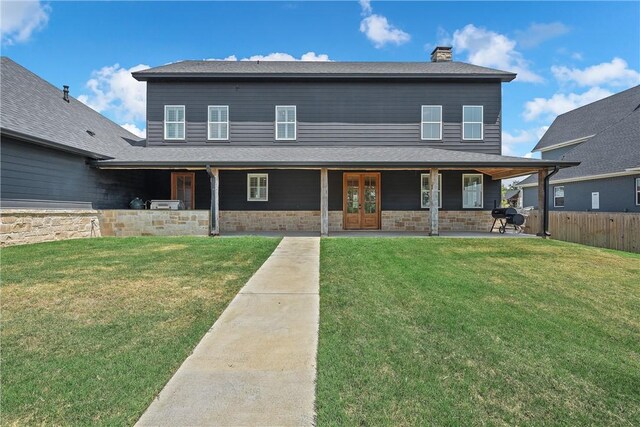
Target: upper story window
431	125
257	187
558	196
218	123
472	122
174	122
472	191
426	190
285	122
637	191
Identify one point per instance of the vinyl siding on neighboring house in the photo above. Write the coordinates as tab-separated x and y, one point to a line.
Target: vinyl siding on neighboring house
557	153
32	173
616	195
329	113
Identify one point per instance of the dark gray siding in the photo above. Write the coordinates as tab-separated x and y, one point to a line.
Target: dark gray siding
400	190
32	173
616	195
292	190
329	113
557	153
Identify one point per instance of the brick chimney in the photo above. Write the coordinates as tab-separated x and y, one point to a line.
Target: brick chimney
441	54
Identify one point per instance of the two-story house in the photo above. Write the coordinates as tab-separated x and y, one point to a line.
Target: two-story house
320	146
605	137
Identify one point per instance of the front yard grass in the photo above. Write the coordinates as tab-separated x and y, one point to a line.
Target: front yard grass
93	329
477	332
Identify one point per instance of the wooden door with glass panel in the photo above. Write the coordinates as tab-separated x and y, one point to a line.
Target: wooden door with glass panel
361	201
183	188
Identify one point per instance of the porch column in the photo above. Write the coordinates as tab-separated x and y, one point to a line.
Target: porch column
433	201
542	201
214	176
324	202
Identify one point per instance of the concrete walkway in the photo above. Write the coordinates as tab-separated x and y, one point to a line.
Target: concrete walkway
257	365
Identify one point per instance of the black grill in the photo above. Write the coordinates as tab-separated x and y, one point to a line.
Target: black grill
507	216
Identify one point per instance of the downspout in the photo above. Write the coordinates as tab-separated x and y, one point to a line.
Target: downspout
546	201
212	183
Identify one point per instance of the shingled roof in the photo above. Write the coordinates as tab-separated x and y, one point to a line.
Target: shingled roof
325	70
591	119
33	110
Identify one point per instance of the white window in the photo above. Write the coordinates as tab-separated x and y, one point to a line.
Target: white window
285	122
257	187
558	196
174	122
472	122
425	190
472	191
431	124
638	191
218	122
595	200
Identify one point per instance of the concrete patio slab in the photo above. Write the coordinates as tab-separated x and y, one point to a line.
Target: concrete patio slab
256	366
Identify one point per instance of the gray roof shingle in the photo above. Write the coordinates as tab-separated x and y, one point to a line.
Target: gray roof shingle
590	119
295	155
33	109
306	69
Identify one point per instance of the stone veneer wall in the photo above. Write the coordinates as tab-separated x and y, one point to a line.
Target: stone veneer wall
269	221
21	226
130	222
448	220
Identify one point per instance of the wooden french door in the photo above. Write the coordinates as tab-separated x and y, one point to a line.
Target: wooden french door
183	188
361	206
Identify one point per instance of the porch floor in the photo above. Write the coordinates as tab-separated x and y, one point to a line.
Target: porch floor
378	233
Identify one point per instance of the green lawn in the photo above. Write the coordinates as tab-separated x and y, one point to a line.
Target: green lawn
93	329
477	332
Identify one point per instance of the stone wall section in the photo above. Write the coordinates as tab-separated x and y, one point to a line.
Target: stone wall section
269	221
21	226
129	222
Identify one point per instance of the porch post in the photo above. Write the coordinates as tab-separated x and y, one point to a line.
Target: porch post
542	201
324	202
214	222
433	201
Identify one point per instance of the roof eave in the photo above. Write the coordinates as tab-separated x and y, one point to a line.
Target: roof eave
51	144
144	76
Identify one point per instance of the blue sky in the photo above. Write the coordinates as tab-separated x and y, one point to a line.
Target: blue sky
566	54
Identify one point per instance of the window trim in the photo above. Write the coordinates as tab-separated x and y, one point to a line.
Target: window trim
464	138
637	192
423	122
257	175
481	190
428	175
295	123
209	123
555	205
184	122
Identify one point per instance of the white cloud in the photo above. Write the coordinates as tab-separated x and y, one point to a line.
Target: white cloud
490	49
577	56
142	133
521	142
539	33
112	89
20	19
614	73
366	7
378	29
560	103
278	56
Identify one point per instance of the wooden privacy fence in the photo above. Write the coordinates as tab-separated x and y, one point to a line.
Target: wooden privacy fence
601	229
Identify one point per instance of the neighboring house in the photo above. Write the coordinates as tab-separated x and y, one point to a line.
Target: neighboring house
279	145
512	197
605	138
